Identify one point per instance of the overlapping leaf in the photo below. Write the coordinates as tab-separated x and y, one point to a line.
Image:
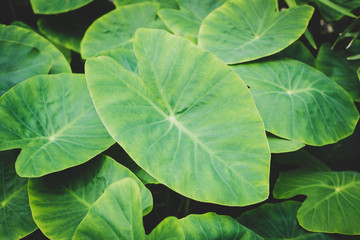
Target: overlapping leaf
19	62
281	145
242	30
333	199
61	202
187	119
299	103
116	29
186	21
53	120
15	215
278	222
28	37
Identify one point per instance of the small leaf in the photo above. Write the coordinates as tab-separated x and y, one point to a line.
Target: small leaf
53	120
61	201
338	8
168	229
19	62
56	6
116	29
186	21
333	199
15	215
28	37
241	31
281	145
278	222
309	107
297	51
175	110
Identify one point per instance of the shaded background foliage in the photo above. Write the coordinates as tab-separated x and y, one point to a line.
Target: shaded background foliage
340	156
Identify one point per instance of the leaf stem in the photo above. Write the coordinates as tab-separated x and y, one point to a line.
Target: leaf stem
12	10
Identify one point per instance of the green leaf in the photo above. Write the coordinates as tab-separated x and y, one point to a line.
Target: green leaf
186	21
278	222
310	108
302	159
213	226
115	215
116	29
163	3
19	62
28	37
168	229
334	64
241	31
281	145
15	216
333	199
193	120
56	6
53	120
297	51
61	201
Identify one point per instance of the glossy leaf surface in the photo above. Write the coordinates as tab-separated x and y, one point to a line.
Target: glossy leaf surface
171	111
53	120
61	201
31	38
332	203
310	108
335	65
116	29
241	30
56	6
115	215
15	215
278	222
186	21
19	62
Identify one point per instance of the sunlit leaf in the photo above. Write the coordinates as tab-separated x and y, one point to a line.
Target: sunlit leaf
53	120
172	110
297	102
56	6
332	203
241	31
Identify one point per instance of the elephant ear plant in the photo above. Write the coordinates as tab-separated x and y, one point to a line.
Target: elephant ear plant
157	119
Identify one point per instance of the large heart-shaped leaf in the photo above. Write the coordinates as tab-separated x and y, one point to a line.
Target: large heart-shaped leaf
116	29
53	120
186	21
15	215
28	37
61	201
19	62
187	119
310	108
56	6
163	3
278	222
334	64
333	199
242	30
